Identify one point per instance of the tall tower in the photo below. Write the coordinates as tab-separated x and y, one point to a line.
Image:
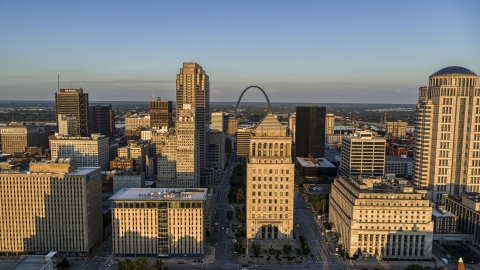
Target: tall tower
310	131
73	101
101	119
193	87
447	133
161	113
270	182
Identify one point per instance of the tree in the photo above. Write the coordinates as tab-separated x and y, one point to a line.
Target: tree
229	215
287	249
240	195
298	178
305	250
158	265
256	249
414	267
63	264
241	217
125	265
140	263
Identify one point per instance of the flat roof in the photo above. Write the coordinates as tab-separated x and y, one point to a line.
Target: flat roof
160	194
437	213
317	162
83	170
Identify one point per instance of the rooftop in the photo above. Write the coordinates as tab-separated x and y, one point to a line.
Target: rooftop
315	162
160	194
438	213
398	158
454	70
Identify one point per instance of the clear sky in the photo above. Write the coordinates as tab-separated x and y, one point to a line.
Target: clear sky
297	51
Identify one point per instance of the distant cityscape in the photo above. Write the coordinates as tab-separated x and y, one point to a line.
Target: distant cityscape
241	185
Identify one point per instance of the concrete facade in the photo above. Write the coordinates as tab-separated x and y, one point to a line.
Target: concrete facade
87	151
362	154
447	134
270	182
56	206
372	218
151	222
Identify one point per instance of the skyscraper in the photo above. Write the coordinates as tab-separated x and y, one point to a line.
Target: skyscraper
270	182
193	87
220	121
161	113
447	133
75	102
310	131
101	119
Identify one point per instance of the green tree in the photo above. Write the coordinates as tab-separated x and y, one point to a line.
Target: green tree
256	249
305	249
240	196
158	265
287	249
241	217
298	178
140	263
126	264
229	215
414	267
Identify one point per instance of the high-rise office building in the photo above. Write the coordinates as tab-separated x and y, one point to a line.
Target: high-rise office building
136	121
310	131
362	154
329	124
447	133
101	119
138	151
87	151
173	222
220	121
161	114
188	156
75	102
16	137
270	183
193	87
291	126
243	142
56	206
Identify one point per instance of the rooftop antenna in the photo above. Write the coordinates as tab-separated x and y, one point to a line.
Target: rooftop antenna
58	83
70	84
153	93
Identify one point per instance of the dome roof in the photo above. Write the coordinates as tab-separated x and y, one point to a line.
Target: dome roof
454	70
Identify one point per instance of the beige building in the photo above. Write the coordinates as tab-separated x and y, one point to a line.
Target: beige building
178	163
329	124
56	206
232	126
447	134
138	151
220	121
87	151
397	129
128	180
67	125
16	137
137	121
291	126
151	222
373	218
270	182
362	154
243	141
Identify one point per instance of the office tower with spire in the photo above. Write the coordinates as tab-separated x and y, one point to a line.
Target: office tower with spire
75	102
193	87
447	134
270	183
161	114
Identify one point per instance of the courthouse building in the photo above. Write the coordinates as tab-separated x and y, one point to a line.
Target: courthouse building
374	219
56	206
148	222
270	185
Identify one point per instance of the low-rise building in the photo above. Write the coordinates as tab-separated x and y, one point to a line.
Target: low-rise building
159	222
315	167
399	165
445	222
467	208
372	218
